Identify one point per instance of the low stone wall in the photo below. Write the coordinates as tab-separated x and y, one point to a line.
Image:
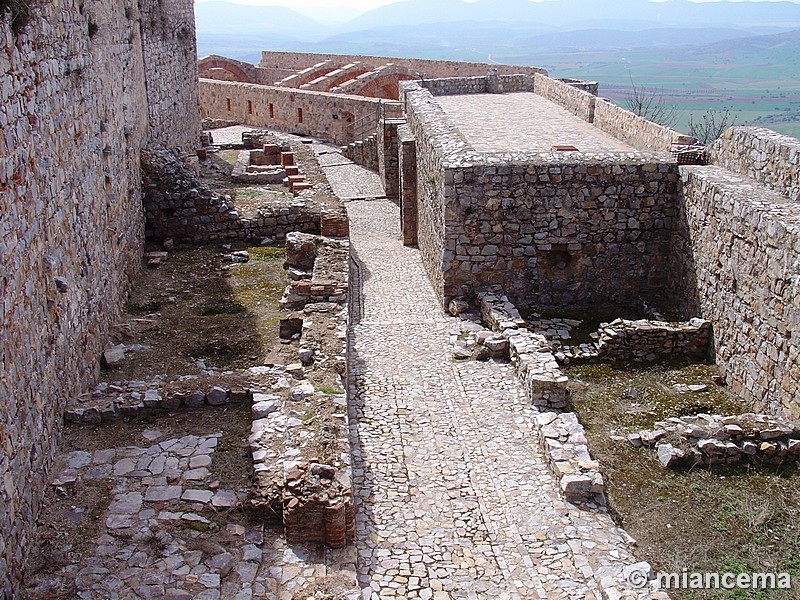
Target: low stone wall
327	279
735	248
685	442
544	383
632	129
569	97
649	341
567	451
560	434
318	114
493	84
363	152
762	155
139	399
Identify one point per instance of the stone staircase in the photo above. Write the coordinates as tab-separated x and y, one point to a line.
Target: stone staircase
336	77
297	80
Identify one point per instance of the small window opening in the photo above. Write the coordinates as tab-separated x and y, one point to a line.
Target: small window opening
299	115
228	102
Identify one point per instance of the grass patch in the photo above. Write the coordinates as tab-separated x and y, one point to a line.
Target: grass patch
740	519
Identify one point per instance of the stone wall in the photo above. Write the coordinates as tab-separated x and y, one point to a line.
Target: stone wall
570	97
632	129
762	155
363	152
170	62
496	84
324	115
561	232
408	185
437	142
738	246
180	207
556	231
75	82
430	69
389	158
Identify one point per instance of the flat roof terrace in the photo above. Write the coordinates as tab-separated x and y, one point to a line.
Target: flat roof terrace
523	122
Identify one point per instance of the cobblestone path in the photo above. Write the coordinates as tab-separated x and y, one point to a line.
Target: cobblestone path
453	496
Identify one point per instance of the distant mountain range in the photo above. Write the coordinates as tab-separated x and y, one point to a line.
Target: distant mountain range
225	17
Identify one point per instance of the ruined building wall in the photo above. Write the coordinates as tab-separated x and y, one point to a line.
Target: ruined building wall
737	248
73	117
324	115
431	69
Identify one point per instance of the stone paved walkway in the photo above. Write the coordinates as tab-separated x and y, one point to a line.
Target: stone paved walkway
530	123
348	180
454	499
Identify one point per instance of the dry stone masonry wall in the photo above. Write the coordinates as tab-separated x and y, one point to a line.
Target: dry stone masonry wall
712	440
74	91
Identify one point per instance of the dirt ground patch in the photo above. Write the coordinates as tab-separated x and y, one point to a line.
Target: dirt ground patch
741	520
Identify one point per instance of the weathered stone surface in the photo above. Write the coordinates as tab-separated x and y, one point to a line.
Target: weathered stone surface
217	396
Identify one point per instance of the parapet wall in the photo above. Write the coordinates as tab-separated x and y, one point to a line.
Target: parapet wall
762	155
453	86
632	129
573	99
429	69
319	114
75	85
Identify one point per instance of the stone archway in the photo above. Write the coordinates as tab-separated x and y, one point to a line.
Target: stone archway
233	70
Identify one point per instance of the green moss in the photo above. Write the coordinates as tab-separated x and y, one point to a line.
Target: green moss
330	391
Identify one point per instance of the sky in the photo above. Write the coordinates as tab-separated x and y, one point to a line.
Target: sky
361	5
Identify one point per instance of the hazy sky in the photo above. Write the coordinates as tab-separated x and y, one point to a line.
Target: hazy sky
357	4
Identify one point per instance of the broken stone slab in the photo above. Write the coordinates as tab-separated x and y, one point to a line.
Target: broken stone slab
200	496
302	391
224	499
195	399
265	407
457	307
